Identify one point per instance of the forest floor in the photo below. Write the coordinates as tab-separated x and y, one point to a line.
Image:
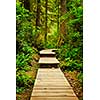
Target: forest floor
77	86
27	93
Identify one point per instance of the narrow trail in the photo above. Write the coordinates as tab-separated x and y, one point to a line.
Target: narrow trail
50	83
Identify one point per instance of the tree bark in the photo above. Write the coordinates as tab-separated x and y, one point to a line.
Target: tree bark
63	30
38	14
58	18
63	11
46	8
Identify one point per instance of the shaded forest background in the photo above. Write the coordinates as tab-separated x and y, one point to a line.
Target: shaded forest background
43	24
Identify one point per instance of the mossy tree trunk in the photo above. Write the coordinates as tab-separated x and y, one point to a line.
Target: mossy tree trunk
63	30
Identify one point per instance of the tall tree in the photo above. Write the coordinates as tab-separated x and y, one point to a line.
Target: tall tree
38	14
63	11
63	30
46	8
38	10
58	17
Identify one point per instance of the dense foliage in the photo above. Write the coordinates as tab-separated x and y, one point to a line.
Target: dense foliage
71	52
25	51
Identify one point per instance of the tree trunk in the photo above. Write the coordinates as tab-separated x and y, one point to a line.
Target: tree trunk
63	11
38	14
46	6
38	9
63	30
58	18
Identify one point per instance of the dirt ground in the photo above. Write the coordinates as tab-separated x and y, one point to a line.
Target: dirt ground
77	86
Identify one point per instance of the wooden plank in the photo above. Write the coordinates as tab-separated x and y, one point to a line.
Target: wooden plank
47	52
56	92
51	73
48	60
52	76
49	69
54	98
52	88
52	84
48	94
51	81
52	91
56	75
60	85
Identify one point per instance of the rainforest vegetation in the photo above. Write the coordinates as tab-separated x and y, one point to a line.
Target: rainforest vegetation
44	24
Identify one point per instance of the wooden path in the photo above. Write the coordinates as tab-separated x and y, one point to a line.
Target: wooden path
50	83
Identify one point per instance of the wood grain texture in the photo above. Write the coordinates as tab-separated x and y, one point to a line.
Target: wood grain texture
54	98
51	84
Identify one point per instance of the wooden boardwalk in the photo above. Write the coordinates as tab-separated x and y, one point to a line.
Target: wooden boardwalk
51	84
48	60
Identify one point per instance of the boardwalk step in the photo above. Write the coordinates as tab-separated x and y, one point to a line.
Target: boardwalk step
48	50
47	54
50	86
50	83
48	62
